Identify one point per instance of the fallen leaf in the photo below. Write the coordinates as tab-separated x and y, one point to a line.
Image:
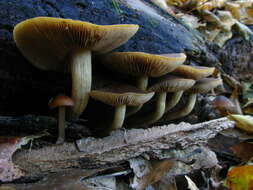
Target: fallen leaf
240	178
191	184
8	145
148	172
165	184
8	171
235	99
243	122
243	150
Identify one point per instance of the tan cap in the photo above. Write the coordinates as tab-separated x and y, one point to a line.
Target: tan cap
121	95
46	41
172	83
60	100
205	85
193	72
139	63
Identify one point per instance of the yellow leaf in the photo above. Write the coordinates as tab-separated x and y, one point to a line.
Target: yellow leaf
244	122
240	178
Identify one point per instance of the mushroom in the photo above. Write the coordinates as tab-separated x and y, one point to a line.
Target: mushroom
201	86
61	102
142	65
121	96
193	72
189	72
224	105
48	43
166	84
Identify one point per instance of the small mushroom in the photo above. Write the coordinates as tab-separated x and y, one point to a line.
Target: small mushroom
193	72
142	65
167	84
201	86
61	102
121	96
224	105
49	42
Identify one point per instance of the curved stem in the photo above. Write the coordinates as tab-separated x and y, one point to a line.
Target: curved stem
186	110
141	83
119	117
81	81
132	110
61	125
173	100
159	110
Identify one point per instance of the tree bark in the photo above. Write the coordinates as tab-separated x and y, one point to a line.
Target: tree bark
116	148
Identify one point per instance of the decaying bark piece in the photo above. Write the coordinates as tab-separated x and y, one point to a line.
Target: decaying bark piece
119	146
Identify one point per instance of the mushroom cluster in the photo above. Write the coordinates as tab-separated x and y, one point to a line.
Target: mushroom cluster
213	18
67	45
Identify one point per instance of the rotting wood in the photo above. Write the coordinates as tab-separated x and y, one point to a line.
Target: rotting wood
119	146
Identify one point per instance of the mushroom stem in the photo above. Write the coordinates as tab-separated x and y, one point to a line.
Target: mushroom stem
173	100
141	83
186	110
61	125
159	110
119	117
81	81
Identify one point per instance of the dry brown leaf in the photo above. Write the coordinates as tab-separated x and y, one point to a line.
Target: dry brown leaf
8	171
168	184
147	173
243	150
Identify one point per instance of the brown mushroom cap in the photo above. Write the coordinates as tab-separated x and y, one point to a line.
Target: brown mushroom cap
140	64
59	101
222	102
172	84
193	72
121	95
205	85
46	41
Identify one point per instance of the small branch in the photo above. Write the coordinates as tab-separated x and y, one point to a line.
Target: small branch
119	146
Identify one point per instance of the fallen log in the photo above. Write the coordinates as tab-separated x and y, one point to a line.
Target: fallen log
120	146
